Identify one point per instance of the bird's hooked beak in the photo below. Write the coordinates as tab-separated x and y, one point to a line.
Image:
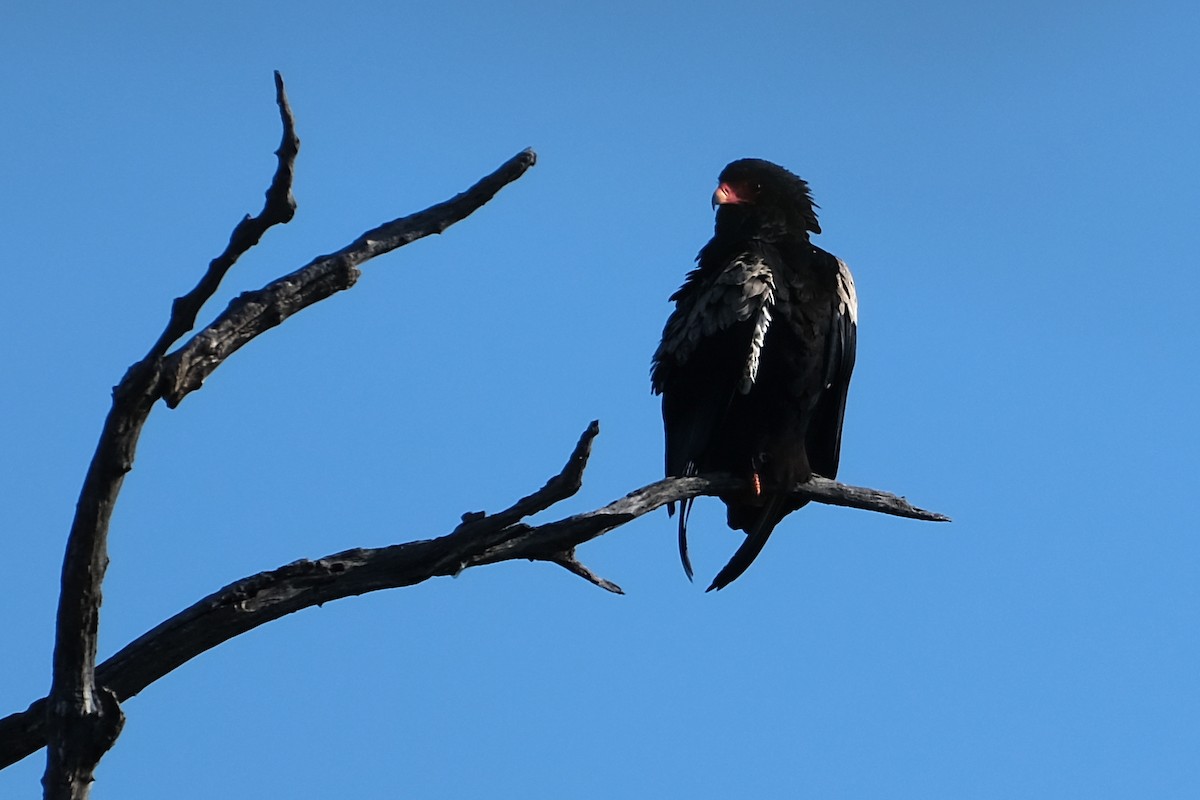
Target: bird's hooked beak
727	194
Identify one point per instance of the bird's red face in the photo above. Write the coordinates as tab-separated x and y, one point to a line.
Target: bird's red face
732	192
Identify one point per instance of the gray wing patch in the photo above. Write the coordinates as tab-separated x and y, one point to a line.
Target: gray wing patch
742	292
847	297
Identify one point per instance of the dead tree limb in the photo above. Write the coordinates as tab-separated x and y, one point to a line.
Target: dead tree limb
82	717
480	539
254	313
279	209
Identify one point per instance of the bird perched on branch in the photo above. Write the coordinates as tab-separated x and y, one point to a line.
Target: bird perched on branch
755	360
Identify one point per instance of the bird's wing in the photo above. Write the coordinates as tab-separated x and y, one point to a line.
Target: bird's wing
711	303
709	351
824	439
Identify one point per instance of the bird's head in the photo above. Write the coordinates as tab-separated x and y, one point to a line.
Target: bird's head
754	191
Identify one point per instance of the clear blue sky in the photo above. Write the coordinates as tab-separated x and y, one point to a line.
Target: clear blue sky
1016	188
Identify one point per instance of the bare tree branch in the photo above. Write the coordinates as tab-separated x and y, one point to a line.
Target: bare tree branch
256	312
83	720
479	539
279	208
571	564
82	716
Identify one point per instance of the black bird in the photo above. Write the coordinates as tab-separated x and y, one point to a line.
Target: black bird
755	360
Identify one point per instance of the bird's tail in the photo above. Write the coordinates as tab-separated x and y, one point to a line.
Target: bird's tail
685	508
775	510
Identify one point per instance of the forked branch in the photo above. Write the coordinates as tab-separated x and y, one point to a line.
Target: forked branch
83	717
479	539
254	313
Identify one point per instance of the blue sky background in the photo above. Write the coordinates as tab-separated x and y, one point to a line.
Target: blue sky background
1016	188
